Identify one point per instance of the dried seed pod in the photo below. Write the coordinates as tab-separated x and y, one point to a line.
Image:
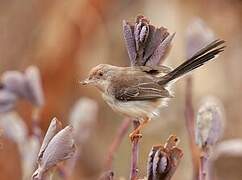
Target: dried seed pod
163	160
24	85
54	127
7	101
151	156
160	51
34	86
141	32
14	81
129	41
171	142
53	154
144	34
210	122
153	40
146	44
175	158
160	164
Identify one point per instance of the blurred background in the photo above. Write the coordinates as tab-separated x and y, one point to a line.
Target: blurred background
67	38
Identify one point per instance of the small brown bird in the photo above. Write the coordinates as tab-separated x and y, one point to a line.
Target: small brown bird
140	91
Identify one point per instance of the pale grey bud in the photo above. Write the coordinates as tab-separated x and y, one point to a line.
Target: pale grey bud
210	122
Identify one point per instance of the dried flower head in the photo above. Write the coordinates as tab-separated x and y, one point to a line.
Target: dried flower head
146	44
163	160
60	147
83	117
210	122
24	85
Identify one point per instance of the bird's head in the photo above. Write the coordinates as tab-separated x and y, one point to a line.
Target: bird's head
100	76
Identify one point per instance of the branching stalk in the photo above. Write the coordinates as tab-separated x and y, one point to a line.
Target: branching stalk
134	154
121	132
190	124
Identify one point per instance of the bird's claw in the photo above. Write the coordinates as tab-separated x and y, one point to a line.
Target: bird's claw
134	136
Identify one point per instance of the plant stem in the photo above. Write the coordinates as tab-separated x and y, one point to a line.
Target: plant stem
190	122
35	122
134	154
203	166
71	163
121	132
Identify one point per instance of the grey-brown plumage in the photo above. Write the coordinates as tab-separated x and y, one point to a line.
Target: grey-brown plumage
141	89
144	85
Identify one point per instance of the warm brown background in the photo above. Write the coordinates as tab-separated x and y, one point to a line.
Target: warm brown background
66	38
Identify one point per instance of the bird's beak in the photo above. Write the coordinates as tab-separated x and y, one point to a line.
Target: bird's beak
84	82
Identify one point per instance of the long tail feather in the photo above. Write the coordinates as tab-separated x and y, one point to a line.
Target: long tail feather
200	58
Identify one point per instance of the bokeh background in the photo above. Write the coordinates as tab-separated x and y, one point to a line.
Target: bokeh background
67	38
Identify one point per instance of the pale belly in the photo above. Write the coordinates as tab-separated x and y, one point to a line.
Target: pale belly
136	109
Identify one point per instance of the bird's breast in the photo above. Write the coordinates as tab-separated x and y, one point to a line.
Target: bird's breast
136	109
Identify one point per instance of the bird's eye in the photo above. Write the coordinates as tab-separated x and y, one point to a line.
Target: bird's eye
100	73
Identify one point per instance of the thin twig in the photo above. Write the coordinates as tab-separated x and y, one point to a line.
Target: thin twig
35	123
71	163
203	166
121	132
190	122
134	154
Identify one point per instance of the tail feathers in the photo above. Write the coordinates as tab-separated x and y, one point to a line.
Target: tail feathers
202	56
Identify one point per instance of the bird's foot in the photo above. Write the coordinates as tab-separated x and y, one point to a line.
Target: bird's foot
135	135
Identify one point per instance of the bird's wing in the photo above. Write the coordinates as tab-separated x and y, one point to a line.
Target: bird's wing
151	70
161	69
139	89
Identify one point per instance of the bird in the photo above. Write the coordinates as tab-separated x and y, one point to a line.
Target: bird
139	91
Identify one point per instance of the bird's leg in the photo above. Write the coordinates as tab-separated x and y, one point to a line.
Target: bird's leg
136	132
